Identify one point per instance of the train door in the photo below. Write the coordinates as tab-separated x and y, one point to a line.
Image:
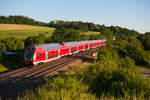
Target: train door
41	56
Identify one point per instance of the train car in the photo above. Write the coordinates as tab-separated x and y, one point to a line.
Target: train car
90	44
94	43
80	46
64	50
97	43
41	53
86	45
73	48
103	42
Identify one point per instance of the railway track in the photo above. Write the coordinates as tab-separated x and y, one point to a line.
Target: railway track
26	76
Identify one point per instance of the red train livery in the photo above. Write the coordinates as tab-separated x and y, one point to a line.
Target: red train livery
41	53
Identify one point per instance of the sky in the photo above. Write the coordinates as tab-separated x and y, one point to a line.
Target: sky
131	14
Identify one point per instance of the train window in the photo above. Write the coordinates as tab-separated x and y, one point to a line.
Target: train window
52	56
41	54
38	56
73	50
56	55
86	47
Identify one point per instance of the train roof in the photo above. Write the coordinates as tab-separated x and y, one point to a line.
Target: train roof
49	46
70	43
85	42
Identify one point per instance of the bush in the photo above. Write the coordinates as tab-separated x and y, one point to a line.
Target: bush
65	35
108	57
126	62
120	82
145	40
60	88
11	44
40	39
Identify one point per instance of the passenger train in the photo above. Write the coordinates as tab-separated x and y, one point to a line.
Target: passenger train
42	53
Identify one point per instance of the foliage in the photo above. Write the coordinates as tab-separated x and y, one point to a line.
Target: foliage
145	39
116	76
119	82
134	50
61	88
96	37
11	44
12	61
86	26
65	35
40	39
20	20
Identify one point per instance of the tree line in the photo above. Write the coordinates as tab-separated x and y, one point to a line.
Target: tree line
20	20
76	25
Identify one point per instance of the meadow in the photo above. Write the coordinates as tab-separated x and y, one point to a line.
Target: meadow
24	31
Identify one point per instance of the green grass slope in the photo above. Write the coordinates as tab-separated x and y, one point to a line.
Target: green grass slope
23	31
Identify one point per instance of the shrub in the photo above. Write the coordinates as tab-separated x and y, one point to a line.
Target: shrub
108	57
126	62
11	44
60	88
40	39
65	35
119	82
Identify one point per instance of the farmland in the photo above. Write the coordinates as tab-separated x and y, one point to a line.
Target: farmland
24	31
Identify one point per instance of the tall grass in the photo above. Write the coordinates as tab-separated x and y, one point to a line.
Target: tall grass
2	68
24	33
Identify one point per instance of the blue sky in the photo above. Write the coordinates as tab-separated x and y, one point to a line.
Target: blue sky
132	14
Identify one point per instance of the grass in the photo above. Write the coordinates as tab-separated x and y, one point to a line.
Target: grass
89	32
6	27
2	68
23	31
143	68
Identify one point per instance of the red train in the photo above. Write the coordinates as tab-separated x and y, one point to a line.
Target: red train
41	53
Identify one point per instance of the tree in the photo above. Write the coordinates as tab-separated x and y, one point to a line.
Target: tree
63	35
11	44
20	20
40	39
145	40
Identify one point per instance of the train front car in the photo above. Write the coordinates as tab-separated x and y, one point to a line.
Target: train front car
29	55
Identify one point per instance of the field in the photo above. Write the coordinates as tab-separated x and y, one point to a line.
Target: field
23	31
88	32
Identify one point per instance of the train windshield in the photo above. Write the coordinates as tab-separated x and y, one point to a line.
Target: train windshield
29	53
